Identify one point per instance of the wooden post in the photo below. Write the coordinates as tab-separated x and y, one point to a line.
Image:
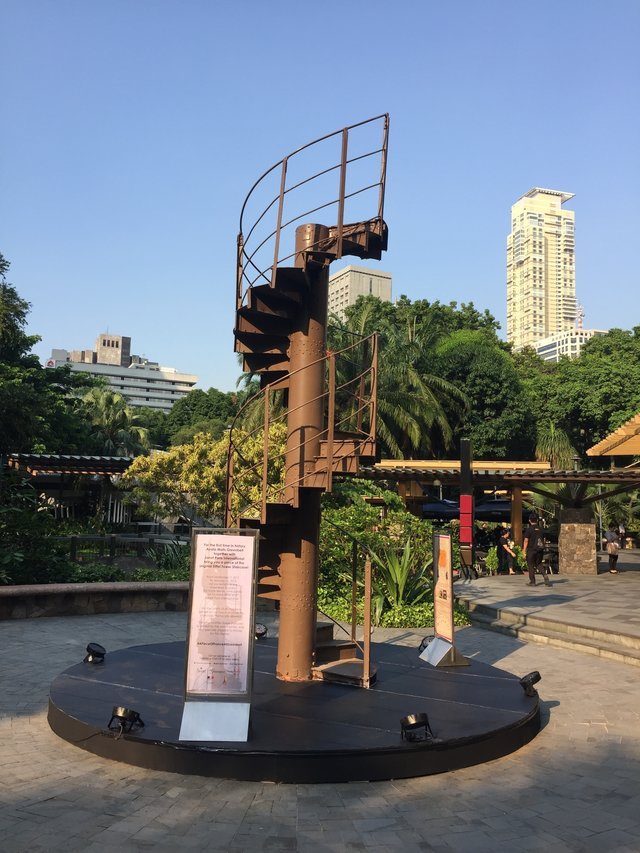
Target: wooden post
516	515
354	588
366	664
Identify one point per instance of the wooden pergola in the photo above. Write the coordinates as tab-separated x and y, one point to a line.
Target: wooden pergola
515	477
624	441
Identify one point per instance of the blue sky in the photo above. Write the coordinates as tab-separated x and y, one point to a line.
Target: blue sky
133	129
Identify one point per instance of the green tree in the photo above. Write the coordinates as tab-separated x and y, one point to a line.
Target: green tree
201	406
39	408
155	422
554	446
498	420
589	396
412	401
115	424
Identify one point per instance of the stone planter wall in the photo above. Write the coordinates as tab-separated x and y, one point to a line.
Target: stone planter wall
82	599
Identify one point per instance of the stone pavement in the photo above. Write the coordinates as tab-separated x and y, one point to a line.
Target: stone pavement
607	602
576	787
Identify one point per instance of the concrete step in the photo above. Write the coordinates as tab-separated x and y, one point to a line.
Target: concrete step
609	649
343	672
597	635
332	650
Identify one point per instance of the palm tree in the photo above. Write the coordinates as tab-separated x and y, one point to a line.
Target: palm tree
411	402
116	425
553	445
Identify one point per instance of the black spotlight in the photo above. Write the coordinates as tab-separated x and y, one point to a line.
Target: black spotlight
425	642
415	727
261	631
125	719
527	682
95	653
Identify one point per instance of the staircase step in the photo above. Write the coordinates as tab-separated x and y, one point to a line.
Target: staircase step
324	632
349	447
265	362
334	650
261	322
268	299
278	379
559	639
537	621
259	342
279	514
349	672
292	282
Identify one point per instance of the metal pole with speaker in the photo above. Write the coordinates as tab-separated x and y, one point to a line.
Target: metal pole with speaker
441	651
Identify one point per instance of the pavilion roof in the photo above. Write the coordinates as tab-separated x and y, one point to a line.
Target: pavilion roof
493	473
624	441
56	463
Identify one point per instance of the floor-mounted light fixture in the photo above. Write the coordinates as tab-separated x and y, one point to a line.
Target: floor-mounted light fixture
261	631
95	653
415	727
527	682
125	719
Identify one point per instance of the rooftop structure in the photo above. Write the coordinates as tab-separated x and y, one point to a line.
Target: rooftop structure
346	285
142	382
569	343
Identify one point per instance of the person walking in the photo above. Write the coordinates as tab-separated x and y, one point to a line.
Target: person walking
622	534
612	539
533	549
506	554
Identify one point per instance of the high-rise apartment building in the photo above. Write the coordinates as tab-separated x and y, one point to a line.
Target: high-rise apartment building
347	284
140	381
541	274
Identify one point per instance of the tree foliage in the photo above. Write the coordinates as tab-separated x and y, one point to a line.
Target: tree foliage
40	409
115	425
190	478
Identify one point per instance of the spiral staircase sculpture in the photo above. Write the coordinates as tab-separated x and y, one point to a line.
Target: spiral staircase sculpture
326	399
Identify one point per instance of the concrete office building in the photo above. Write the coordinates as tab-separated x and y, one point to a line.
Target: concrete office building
541	278
350	282
569	343
140	381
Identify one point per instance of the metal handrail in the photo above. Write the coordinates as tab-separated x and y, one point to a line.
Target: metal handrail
365	400
245	258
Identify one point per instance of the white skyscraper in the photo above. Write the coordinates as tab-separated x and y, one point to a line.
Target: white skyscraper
541	277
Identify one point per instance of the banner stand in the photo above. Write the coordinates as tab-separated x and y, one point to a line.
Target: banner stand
220	636
441	651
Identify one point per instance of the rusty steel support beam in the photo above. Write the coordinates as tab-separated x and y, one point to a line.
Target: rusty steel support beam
305	424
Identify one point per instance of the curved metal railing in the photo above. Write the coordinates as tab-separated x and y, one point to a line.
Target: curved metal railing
259	254
350	396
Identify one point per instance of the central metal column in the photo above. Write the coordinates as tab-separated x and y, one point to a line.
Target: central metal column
307	401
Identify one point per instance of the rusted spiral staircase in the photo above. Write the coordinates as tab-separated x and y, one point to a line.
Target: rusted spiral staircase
327	400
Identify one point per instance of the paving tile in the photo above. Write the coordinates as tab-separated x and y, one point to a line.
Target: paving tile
575	787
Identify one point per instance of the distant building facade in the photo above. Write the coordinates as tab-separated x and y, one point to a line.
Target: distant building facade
569	343
541	277
346	285
140	381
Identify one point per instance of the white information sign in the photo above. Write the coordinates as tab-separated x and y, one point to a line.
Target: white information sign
219	644
443	588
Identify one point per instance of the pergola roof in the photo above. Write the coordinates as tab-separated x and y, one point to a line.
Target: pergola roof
55	463
625	441
493	473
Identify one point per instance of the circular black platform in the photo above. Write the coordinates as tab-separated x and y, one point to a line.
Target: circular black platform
310	732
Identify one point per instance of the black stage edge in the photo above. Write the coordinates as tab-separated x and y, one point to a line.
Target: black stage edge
304	732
